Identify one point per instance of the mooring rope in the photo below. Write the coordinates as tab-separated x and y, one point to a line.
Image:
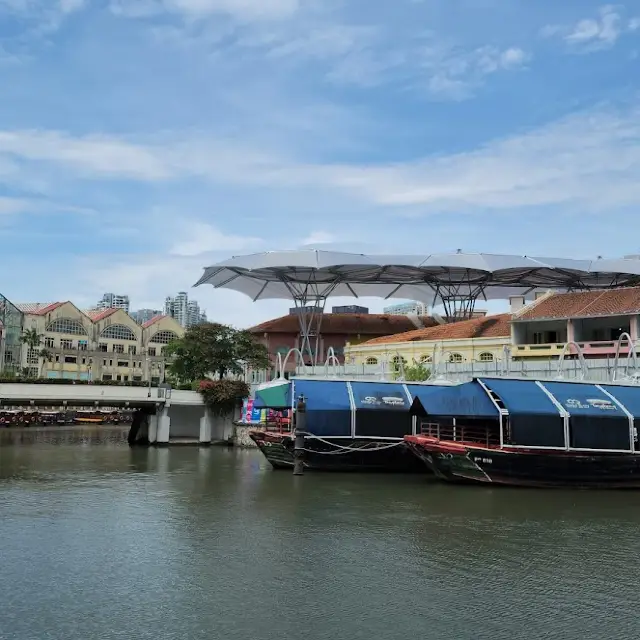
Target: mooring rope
365	448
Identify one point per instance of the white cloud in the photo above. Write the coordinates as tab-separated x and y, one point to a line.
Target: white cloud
13	205
513	57
43	16
149	278
243	10
69	6
200	237
456	73
10	206
319	237
595	33
94	154
590	159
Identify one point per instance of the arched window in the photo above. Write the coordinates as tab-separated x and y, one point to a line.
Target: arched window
67	325
372	360
118	332
163	337
455	357
486	357
425	360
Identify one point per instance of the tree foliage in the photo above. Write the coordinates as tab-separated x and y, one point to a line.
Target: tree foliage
214	350
31	338
222	396
414	372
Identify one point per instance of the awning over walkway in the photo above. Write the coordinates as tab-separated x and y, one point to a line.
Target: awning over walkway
460	400
328	406
534	419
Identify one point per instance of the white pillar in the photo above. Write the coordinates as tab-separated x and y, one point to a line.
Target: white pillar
164	426
206	423
153	428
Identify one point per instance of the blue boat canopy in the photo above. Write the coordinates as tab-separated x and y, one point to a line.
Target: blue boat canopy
596	420
584	399
628	397
328	406
534	420
382	409
461	400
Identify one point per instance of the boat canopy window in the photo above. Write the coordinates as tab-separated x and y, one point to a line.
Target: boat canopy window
460	400
597	421
382	410
328	406
534	420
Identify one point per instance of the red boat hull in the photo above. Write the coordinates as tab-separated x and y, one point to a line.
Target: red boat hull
470	462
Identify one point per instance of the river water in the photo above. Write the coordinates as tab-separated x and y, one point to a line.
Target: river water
101	542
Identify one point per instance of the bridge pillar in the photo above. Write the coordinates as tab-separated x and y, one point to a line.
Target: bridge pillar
164	426
206	425
153	428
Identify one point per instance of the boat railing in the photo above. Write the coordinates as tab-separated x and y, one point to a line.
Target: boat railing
460	432
279	425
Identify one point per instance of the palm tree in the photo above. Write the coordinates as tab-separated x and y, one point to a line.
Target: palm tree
31	338
46	356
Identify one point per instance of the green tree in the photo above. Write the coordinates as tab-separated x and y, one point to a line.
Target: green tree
46	356
33	340
214	349
415	372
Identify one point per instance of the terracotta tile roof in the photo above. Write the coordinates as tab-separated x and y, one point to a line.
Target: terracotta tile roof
371	324
585	304
153	320
100	314
497	326
38	308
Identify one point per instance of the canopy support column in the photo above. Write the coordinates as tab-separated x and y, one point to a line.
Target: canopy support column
459	299
310	319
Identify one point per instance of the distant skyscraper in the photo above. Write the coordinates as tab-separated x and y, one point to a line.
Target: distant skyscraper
114	301
186	312
407	309
144	315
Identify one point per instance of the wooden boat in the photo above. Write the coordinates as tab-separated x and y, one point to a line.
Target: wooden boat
90	417
350	426
530	433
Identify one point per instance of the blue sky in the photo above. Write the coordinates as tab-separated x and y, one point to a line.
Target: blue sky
141	140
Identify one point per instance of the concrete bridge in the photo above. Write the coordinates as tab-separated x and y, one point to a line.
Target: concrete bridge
180	416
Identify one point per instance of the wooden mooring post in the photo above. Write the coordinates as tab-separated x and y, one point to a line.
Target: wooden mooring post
300	429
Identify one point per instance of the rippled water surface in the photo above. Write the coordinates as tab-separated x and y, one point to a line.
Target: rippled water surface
101	542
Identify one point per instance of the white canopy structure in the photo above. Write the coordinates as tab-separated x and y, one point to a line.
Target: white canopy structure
455	280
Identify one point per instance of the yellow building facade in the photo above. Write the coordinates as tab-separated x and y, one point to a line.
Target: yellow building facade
98	345
477	340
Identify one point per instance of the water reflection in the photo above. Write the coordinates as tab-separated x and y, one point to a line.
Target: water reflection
112	542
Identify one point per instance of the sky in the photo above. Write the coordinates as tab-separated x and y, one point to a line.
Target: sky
142	140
